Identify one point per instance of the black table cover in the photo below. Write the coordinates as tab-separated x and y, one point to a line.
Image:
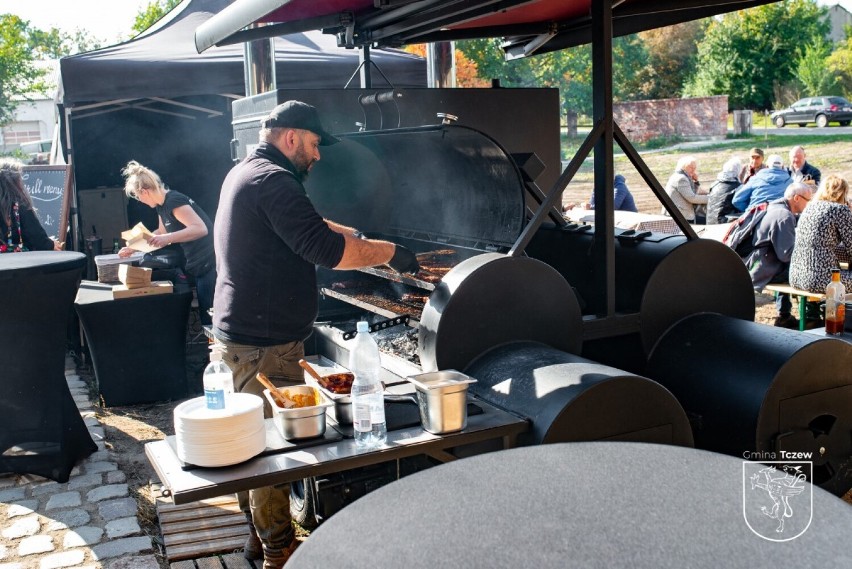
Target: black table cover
138	345
41	430
583	505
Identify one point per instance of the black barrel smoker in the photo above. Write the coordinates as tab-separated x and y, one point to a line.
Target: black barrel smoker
453	193
762	393
660	278
569	398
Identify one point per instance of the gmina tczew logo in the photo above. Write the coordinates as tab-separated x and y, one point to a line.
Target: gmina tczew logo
777	503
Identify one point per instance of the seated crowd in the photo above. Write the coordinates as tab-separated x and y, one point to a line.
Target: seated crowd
794	224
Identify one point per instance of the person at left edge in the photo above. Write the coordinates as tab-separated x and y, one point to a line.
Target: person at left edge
269	240
20	229
181	221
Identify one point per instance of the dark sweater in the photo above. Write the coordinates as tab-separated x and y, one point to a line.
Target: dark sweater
268	239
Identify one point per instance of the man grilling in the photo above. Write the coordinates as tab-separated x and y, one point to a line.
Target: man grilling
268	240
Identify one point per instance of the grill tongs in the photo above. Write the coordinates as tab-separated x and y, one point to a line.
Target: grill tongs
380	325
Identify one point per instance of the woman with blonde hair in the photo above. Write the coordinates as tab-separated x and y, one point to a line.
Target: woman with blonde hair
181	221
20	229
825	223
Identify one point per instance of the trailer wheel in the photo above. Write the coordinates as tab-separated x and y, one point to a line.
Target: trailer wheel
302	500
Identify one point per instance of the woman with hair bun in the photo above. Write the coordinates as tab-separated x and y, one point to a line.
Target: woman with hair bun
20	229
181	221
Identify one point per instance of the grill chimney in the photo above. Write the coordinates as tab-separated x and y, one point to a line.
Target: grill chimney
260	66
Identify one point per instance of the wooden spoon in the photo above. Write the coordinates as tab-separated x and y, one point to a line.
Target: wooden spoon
314	374
279	398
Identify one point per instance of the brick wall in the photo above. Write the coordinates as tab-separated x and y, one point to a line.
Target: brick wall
700	117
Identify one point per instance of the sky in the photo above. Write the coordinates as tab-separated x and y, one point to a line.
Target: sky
103	19
109	19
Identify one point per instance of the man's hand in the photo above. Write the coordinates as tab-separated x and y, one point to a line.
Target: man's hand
404	261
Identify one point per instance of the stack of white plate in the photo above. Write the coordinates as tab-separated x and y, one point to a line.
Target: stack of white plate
207	437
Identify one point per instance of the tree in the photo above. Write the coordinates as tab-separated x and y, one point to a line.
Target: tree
19	76
153	12
672	53
55	43
569	70
840	64
466	72
746	53
814	72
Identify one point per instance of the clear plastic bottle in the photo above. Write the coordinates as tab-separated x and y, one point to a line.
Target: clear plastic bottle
835	305
218	381
368	403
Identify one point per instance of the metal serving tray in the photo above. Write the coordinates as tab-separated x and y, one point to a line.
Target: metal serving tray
341	410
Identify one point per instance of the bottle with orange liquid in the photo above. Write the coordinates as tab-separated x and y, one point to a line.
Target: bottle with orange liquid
835	305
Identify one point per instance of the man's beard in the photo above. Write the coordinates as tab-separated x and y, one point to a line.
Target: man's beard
302	163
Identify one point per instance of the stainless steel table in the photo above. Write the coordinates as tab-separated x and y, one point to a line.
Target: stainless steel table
189	485
584	505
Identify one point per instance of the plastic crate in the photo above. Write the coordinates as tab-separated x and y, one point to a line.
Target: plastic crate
107	266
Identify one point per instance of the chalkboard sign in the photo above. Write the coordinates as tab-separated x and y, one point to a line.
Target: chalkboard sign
48	187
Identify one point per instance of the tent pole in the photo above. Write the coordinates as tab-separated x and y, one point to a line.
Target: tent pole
74	216
441	65
604	251
364	67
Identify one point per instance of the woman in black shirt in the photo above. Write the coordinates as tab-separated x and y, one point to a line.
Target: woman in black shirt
181	221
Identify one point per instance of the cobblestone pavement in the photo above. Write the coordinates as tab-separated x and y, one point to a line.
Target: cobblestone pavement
88	522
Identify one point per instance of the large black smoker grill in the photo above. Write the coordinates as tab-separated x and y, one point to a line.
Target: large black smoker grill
450	188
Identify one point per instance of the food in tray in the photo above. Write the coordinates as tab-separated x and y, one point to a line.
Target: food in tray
340	383
300	399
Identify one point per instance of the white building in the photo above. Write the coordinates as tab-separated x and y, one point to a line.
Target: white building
34	119
839	18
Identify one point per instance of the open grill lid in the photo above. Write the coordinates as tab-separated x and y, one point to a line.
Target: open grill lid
444	184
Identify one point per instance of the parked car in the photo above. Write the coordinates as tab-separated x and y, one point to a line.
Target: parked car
38	152
821	110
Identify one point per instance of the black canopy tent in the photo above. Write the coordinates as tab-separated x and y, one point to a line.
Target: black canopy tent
156	100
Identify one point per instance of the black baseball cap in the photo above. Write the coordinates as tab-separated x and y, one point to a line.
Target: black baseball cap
296	114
